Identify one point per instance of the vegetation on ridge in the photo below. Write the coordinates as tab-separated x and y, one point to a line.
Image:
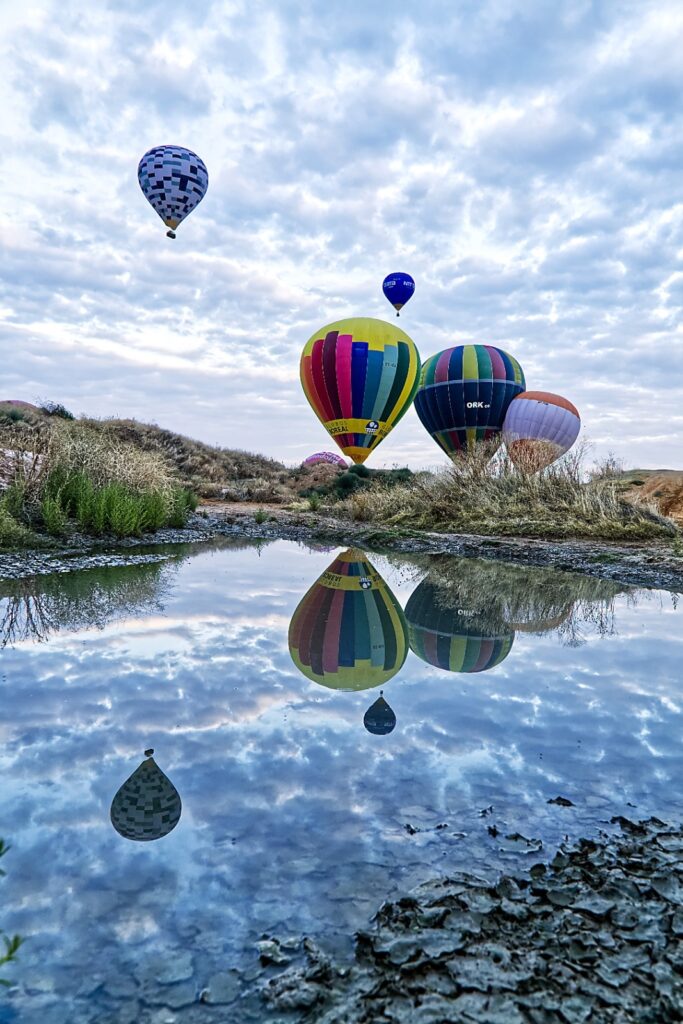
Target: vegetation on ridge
490	497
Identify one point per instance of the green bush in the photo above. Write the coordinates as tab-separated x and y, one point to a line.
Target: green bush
54	517
57	409
12	415
179	507
152	511
13	500
12	533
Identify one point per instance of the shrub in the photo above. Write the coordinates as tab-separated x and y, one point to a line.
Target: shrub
12	533
178	508
54	517
314	502
260	515
56	409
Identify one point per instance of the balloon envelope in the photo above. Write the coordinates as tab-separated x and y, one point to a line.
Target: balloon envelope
398	288
451	637
147	806
464	394
379	719
326	457
539	427
360	376
174	181
348	631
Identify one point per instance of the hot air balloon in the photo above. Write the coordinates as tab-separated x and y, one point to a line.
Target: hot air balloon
360	376
379	719
147	806
539	427
464	394
174	180
451	637
326	457
348	632
398	288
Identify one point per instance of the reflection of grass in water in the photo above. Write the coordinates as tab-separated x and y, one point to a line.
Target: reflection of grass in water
529	599
11	943
37	606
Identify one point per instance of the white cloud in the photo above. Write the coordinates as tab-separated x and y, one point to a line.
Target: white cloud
521	161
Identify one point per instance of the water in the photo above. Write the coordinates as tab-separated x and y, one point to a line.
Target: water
296	819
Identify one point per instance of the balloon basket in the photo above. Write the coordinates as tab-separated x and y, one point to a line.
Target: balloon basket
170	234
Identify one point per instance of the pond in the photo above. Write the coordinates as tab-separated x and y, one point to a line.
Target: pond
286	806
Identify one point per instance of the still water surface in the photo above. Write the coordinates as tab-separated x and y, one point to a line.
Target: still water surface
518	686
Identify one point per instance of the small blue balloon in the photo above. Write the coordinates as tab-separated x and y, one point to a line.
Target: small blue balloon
398	288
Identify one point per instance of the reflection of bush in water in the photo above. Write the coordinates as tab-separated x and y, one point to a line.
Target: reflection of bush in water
37	606
529	599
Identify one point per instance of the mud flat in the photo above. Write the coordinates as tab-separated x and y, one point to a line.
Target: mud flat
595	935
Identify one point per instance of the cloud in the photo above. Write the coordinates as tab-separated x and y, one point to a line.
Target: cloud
521	161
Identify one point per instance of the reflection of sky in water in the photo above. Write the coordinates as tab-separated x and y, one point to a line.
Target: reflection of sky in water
293	814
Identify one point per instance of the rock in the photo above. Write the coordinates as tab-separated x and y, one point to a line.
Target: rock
175	969
270	952
593	905
222	988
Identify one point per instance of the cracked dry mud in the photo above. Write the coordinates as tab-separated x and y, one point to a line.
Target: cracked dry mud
595	936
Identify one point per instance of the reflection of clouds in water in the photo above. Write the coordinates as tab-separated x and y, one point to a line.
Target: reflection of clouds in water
293	814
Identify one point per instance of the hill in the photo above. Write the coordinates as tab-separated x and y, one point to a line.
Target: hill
663	488
207	470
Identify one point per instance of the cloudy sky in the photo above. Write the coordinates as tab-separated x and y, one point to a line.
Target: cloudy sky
521	159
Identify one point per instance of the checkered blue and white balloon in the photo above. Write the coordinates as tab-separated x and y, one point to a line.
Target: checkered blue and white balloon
174	181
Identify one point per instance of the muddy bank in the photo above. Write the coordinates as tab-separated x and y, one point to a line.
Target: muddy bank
596	935
648	565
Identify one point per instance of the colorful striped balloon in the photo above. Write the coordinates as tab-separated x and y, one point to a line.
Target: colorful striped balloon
360	376
464	394
540	427
348	631
453	638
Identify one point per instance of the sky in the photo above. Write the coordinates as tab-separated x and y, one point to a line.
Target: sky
521	159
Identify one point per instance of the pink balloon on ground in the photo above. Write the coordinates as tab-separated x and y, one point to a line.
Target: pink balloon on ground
539	427
331	458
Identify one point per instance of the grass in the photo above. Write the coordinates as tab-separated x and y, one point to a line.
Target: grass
68	476
488	496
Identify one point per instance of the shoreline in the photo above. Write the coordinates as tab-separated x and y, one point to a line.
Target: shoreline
651	565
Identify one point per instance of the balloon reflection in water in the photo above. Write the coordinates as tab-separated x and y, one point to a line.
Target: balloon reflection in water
147	806
349	632
452	637
379	719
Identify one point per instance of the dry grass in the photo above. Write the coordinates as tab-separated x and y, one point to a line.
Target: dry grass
33	455
488	496
212	472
